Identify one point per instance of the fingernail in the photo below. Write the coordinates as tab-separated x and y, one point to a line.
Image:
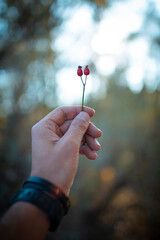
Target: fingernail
84	116
98	143
99	130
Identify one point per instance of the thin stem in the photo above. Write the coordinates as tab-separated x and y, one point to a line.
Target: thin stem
84	84
85	79
83	97
82	80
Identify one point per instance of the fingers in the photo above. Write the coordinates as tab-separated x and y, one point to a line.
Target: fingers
84	149
64	127
92	143
92	130
61	114
90	147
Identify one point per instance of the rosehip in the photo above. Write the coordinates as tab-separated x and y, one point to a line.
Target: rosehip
79	71
86	70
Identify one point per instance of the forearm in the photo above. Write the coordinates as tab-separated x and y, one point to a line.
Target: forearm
24	221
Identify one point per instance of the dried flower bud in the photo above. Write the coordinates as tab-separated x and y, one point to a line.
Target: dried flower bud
79	71
86	70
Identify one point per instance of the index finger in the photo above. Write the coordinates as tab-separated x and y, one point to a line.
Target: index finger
61	114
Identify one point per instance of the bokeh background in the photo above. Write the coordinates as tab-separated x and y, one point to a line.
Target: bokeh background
116	197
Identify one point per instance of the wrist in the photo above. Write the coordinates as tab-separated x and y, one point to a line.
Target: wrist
63	188
46	196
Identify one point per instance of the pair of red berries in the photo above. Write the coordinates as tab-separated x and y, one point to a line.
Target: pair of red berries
80	71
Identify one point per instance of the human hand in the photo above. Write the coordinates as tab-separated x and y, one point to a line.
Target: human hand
57	142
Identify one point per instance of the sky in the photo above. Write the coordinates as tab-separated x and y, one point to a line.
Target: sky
80	39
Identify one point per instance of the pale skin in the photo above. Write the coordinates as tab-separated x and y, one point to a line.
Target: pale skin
56	145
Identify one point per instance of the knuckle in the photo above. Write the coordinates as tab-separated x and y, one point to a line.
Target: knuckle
48	123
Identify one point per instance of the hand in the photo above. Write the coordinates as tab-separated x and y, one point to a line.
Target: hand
57	142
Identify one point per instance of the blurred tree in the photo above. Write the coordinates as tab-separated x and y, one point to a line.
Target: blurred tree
150	33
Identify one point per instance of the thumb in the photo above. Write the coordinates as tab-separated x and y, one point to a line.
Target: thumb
78	127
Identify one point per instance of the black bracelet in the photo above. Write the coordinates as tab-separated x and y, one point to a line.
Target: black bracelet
41	193
44	185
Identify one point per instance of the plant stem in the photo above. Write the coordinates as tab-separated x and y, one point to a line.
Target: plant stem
84	84
82	80
83	97
85	80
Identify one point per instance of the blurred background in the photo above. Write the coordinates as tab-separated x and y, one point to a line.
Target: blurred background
116	197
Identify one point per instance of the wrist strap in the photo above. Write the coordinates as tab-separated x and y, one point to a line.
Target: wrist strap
45	196
44	185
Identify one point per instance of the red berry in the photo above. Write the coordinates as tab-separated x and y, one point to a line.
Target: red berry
86	70
79	71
